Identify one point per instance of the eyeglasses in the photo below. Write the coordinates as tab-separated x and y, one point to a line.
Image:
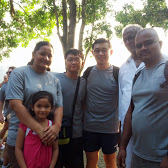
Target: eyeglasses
8	72
147	43
104	51
131	37
71	60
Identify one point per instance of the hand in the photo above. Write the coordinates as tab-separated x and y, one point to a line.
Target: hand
164	163
1	118
121	158
50	134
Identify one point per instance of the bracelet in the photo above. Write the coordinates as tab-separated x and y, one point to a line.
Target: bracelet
41	131
58	126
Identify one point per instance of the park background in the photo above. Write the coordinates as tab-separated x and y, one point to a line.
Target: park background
144	12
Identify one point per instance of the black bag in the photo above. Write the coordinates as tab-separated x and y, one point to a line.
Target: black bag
66	131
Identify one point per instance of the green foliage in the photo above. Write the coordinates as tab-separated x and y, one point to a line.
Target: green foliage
35	19
154	13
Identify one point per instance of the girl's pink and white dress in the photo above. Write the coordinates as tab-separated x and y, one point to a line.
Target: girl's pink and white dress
36	154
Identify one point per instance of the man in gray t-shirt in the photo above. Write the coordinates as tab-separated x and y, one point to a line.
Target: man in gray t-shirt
148	122
71	152
101	124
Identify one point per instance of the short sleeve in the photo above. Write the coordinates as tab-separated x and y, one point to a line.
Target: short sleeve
24	127
2	93
15	87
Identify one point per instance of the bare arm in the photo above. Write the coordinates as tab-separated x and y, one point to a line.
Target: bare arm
54	154
1	108
126	135
52	132
19	148
24	116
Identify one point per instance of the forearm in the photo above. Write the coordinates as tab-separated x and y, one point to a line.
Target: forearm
54	154
127	129
20	158
58	115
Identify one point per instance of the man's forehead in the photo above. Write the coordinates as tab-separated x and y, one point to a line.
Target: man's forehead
129	31
145	35
101	45
72	55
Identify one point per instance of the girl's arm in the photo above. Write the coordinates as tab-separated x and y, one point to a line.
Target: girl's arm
19	148
54	154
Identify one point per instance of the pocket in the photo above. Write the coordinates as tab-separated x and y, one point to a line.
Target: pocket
65	135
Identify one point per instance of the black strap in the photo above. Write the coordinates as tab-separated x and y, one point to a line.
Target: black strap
115	73
75	97
165	75
136	76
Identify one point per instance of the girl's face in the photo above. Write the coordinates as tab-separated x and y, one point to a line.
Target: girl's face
42	58
42	108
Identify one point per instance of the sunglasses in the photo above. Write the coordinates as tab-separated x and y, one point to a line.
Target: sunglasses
8	72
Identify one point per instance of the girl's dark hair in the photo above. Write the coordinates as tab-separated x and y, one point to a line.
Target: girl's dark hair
37	47
41	95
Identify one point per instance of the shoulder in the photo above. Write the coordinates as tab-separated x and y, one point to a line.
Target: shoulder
24	127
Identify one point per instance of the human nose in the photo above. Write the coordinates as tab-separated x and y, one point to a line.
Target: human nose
46	57
143	47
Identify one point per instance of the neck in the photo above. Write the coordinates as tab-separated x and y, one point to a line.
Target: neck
103	66
71	75
136	60
37	69
153	63
42	122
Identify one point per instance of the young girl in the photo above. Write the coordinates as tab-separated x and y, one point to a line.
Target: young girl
30	151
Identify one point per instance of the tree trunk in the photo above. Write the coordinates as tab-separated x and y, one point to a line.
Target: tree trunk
82	25
72	24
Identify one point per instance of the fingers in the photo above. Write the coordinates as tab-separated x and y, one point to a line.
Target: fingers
50	134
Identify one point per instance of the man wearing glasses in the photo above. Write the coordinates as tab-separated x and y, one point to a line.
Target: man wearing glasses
71	148
147	121
101	124
126	74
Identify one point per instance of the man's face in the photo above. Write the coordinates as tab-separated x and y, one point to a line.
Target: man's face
9	72
129	39
101	52
73	63
148	46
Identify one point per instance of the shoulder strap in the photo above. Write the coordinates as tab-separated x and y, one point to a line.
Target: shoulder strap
87	72
115	73
136	76
75	96
165	75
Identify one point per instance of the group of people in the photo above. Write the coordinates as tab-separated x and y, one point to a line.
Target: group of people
55	116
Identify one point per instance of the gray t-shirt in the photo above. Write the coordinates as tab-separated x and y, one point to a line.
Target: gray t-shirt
101	114
150	116
68	87
7	108
22	84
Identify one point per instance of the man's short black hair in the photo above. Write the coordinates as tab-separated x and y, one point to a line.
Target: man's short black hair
101	40
75	52
12	67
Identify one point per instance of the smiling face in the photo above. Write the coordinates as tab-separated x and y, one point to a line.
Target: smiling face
73	63
42	108
148	46
101	52
42	58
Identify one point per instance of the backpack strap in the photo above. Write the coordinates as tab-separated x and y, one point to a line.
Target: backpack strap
165	75
87	72
115	73
136	76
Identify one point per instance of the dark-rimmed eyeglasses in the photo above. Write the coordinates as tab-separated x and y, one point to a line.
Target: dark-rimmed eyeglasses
8	72
147	43
71	60
104	51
